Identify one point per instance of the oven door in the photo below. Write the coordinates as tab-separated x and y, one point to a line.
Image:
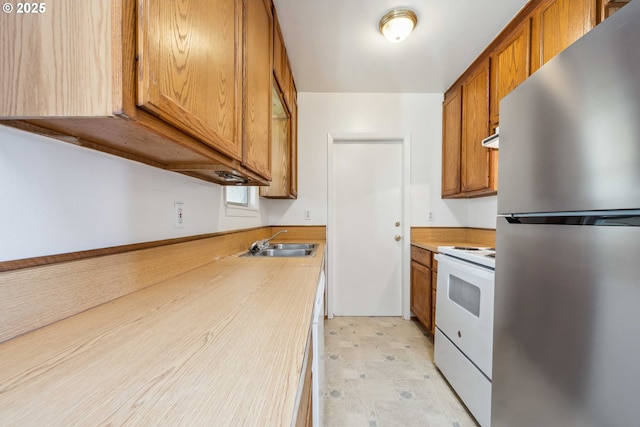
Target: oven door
464	309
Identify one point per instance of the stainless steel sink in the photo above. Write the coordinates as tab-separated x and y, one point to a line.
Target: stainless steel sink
286	250
292	246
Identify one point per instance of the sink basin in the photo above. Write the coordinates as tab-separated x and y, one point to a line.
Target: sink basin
292	246
286	250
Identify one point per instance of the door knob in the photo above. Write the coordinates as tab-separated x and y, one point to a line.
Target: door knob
398	237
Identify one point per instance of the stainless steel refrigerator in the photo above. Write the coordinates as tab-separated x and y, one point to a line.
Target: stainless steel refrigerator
567	293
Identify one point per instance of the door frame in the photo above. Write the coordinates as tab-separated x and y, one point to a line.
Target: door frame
405	229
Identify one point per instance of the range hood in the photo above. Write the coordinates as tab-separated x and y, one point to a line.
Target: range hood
492	141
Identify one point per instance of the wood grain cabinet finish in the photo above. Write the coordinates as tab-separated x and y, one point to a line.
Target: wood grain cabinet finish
422	293
37	76
609	7
510	64
180	85
304	416
192	82
468	169
541	30
451	141
284	151
280	149
557	24
258	56
293	184
475	127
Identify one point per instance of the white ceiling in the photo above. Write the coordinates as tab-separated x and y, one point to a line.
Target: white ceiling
335	45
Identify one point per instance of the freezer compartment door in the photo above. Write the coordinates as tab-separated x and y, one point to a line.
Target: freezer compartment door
566	337
570	134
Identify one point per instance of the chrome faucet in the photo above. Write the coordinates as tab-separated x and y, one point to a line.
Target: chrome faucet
259	245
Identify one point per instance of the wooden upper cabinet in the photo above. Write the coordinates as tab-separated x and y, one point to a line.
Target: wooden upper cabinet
258	57
471	108
182	85
557	24
279	52
59	63
609	7
281	148
509	67
451	141
190	68
475	166
294	147
284	143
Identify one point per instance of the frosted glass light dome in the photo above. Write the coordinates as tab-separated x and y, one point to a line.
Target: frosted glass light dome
398	24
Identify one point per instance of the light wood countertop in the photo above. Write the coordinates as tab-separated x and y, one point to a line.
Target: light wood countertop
220	345
433	246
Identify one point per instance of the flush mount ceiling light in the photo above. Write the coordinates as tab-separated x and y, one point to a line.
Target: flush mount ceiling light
397	24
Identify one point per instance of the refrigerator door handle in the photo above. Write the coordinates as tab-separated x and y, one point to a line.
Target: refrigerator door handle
592	219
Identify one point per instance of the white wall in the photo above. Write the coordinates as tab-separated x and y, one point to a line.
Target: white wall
482	212
400	113
58	197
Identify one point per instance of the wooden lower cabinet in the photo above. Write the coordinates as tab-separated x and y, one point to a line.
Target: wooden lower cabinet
422	301
421	293
304	416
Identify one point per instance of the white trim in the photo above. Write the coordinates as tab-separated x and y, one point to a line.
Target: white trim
235	210
405	140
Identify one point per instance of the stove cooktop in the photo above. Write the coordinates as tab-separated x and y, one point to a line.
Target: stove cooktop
478	255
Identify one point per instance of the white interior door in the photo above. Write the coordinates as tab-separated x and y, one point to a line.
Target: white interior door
367	205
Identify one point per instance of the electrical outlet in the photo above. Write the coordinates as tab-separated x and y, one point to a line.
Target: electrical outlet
307	214
430	216
178	215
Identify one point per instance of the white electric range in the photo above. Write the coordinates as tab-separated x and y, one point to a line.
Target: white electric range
463	348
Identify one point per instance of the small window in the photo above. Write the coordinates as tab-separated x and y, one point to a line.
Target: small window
241	201
238	196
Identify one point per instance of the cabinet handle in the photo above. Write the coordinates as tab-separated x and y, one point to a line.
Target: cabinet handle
397	223
398	237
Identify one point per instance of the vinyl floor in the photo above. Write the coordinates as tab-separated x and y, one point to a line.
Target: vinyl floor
380	373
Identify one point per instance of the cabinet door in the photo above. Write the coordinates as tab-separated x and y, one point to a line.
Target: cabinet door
193	82
509	67
60	62
559	23
609	7
281	149
451	141
475	127
421	293
294	146
279	52
258	57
